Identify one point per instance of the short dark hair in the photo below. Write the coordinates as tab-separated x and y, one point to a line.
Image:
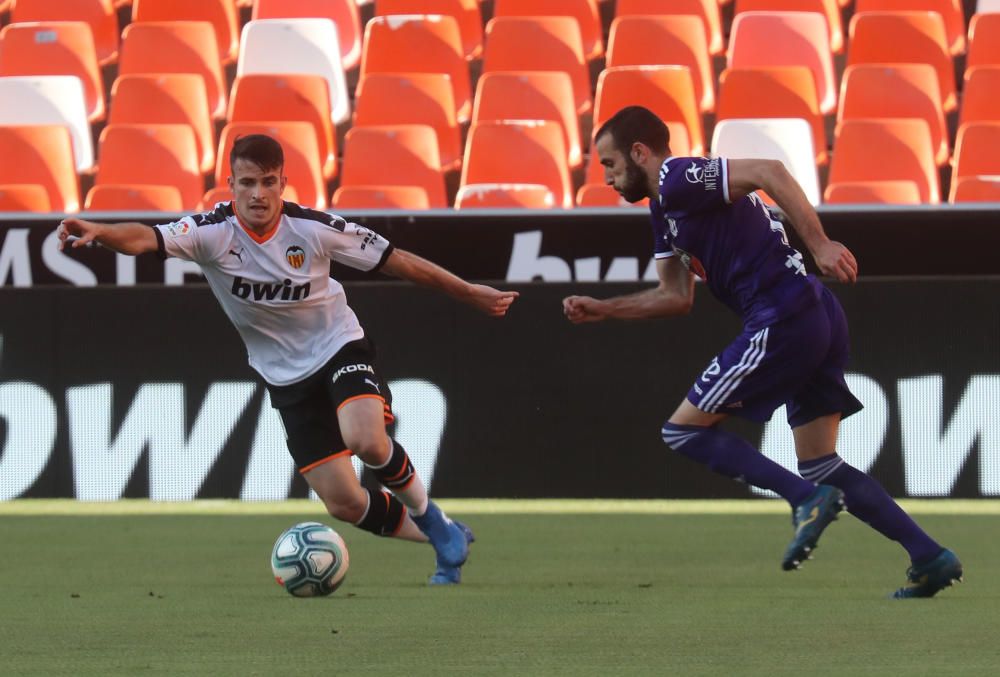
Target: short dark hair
635	123
259	149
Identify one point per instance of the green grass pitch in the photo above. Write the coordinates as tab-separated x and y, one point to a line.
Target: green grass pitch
552	588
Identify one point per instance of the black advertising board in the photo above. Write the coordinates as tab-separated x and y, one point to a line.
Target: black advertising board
145	391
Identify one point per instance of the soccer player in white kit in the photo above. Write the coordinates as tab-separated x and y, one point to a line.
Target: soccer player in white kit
268	263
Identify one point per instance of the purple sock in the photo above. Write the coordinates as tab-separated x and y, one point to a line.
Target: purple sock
732	456
869	502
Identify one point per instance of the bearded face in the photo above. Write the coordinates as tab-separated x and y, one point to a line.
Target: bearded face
633	187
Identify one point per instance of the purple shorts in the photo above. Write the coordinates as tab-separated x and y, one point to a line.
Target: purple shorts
798	361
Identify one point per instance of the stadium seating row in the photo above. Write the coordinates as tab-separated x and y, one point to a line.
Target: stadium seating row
498	152
423	59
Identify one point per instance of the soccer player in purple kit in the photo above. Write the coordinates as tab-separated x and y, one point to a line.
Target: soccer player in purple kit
707	221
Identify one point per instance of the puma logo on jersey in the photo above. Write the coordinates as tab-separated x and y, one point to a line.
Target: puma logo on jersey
373	384
269	291
237	254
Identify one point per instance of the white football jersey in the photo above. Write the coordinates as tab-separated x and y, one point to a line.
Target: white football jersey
277	290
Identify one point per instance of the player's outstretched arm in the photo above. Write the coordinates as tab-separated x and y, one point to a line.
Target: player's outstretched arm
746	176
408	266
673	296
125	238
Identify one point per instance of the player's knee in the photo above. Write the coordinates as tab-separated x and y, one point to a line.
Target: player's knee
676	435
349	508
372	449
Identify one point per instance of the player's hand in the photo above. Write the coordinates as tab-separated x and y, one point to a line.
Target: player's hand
491	301
84	231
580	309
836	260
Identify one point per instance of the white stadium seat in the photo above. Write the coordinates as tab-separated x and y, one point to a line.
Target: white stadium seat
307	46
786	139
49	100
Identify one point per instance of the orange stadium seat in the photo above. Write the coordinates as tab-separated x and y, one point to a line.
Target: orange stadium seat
505	196
302	156
343	13
381	197
42	155
549	43
668	91
917	37
152	154
395	155
585	12
774	92
664	40
976	189
176	47
980	102
519	152
24	197
428	100
466	12
951	12
786	39
976	150
828	8
223	194
100	15
887	149
419	44
706	10
133	198
55	48
603	195
531	95
899	90
899	192
299	46
167	98
263	97
984	41
221	14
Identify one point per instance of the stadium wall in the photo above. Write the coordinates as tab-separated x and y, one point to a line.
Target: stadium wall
144	391
554	246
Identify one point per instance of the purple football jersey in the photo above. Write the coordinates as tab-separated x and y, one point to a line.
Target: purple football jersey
736	248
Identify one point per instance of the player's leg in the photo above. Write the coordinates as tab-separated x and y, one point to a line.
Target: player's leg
345	499
695	434
363	404
751	378
740	381
932	566
815	431
362	425
321	456
813	507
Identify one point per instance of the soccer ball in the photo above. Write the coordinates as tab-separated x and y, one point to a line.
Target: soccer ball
309	560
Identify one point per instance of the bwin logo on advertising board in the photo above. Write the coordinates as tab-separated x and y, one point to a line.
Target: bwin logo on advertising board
269	291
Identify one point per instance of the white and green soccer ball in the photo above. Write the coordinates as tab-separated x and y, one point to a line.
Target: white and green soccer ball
309	560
